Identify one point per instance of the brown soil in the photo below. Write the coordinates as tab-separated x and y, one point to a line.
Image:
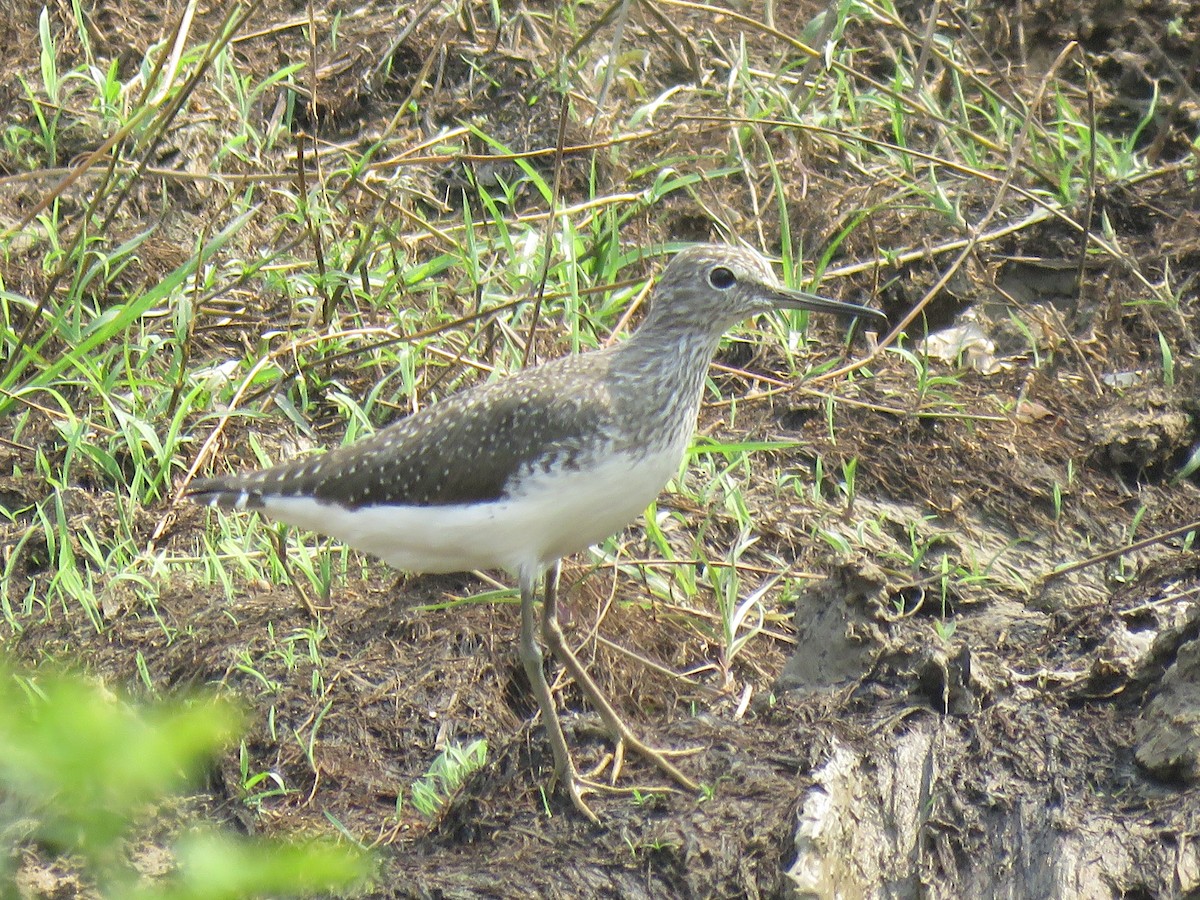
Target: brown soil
1027	734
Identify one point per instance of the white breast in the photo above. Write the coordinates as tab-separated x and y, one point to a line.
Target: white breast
551	516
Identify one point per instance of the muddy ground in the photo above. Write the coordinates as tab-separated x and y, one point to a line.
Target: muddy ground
945	713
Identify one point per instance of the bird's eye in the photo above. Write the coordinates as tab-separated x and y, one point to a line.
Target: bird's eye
721	278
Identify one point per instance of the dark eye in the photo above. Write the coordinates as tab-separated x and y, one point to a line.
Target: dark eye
721	278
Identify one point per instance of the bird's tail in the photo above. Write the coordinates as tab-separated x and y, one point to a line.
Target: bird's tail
223	493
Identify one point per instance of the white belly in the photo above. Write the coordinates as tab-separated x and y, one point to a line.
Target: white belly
553	515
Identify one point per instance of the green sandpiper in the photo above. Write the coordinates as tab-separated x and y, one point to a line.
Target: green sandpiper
517	473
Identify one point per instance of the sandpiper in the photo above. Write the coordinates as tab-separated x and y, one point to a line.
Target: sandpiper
517	473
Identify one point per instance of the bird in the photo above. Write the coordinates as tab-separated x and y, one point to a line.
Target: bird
516	473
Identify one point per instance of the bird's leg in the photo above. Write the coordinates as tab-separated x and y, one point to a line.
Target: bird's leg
620	733
531	657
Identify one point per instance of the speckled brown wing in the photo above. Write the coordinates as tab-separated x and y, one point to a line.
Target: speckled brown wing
472	447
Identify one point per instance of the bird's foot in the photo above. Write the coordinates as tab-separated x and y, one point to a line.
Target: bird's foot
660	757
577	787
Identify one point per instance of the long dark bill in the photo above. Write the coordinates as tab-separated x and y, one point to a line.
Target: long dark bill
788	299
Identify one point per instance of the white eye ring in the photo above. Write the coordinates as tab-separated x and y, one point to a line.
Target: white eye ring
721	278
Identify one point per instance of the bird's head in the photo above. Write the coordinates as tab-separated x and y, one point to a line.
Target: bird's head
713	287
